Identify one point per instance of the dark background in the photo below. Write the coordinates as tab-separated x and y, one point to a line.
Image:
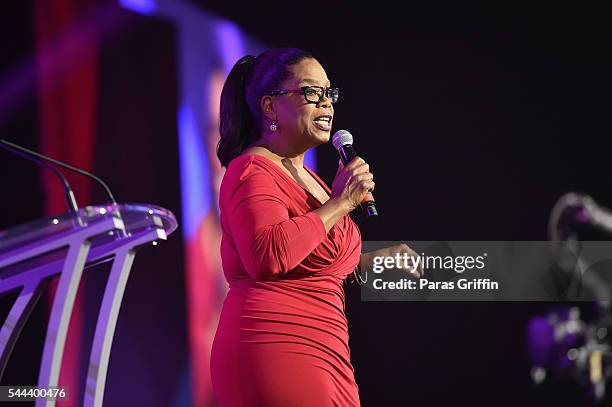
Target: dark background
474	119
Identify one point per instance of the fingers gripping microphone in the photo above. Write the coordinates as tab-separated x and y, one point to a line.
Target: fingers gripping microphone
343	142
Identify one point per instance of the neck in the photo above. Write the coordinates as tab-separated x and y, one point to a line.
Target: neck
279	152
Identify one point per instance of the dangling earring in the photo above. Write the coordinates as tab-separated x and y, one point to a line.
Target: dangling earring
273	126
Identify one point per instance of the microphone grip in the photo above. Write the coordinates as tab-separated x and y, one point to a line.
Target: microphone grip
347	153
368	205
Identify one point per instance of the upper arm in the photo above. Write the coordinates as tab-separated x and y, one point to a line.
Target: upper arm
269	241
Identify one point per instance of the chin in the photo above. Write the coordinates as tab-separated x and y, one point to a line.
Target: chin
322	134
318	137
321	139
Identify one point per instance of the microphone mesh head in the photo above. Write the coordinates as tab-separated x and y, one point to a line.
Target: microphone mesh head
341	138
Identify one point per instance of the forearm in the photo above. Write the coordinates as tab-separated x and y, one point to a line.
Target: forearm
365	260
331	212
362	260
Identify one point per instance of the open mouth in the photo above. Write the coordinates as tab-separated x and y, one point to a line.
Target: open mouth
323	122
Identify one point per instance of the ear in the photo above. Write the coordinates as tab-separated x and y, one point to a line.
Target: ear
267	107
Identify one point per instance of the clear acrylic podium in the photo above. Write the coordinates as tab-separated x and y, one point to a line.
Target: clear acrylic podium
64	246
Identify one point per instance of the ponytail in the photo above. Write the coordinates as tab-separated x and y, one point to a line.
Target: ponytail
236	124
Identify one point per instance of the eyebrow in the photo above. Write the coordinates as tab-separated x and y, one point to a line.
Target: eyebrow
311	81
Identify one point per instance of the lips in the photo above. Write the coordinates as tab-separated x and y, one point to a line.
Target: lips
323	122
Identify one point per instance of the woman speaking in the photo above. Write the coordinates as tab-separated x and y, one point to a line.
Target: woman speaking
288	242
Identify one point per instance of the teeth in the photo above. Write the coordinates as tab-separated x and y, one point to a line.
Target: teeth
323	119
323	125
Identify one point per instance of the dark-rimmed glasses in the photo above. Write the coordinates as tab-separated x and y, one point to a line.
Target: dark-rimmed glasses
312	94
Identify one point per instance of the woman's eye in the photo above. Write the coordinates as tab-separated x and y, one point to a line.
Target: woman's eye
311	91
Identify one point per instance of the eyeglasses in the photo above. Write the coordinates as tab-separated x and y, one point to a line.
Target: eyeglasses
312	94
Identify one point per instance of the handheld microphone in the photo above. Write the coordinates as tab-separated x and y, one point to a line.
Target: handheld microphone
44	161
343	142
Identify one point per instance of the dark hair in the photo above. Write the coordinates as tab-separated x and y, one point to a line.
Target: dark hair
250	79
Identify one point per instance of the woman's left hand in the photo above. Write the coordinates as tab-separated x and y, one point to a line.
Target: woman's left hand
403	250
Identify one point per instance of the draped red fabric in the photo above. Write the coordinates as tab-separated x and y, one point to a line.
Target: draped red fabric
282	338
67	71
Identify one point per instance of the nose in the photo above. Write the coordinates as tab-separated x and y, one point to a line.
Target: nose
325	102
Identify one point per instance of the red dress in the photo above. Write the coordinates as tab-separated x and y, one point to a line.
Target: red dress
282	338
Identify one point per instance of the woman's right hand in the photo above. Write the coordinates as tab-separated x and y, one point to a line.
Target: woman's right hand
352	182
